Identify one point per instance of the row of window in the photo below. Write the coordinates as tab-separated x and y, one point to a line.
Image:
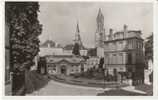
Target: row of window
119	58
131	44
114	58
114	45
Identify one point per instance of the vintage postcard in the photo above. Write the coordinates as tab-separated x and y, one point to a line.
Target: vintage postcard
78	48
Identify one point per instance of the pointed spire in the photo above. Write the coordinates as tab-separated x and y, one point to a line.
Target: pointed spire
100	13
99	10
77	28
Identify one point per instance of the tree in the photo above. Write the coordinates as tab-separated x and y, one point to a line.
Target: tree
76	49
24	29
101	62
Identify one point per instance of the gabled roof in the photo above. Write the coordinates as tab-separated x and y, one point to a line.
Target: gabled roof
72	60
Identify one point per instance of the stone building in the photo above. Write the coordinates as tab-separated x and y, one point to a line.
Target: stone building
64	64
123	52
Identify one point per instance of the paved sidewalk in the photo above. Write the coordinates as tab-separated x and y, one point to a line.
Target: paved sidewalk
132	89
58	89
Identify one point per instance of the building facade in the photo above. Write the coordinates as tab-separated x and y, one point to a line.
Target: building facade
64	64
124	52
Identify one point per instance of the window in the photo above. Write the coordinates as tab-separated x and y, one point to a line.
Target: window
129	58
137	45
114	59
121	45
82	67
120	58
132	44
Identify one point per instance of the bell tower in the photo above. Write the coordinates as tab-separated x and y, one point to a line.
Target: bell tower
100	34
100	31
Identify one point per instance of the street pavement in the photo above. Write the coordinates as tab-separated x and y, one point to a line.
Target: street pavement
54	88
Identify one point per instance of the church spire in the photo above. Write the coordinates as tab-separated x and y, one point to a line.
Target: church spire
100	31
77	28
99	13
77	36
100	21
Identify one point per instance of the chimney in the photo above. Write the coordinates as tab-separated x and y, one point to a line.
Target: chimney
110	33
125	31
125	27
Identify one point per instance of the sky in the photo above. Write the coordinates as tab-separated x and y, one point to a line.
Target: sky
59	19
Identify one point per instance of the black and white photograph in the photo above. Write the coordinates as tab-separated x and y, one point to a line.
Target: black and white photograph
78	48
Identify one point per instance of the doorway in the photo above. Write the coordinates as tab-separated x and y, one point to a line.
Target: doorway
63	69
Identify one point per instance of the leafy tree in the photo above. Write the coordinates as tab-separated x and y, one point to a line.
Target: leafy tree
101	62
76	49
24	29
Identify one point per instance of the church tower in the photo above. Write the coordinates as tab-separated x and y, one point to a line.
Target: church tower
78	37
100	34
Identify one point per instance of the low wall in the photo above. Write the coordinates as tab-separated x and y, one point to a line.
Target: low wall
88	83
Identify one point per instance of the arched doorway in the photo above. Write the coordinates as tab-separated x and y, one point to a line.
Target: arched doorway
63	69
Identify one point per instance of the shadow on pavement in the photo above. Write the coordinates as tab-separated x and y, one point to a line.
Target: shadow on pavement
35	81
